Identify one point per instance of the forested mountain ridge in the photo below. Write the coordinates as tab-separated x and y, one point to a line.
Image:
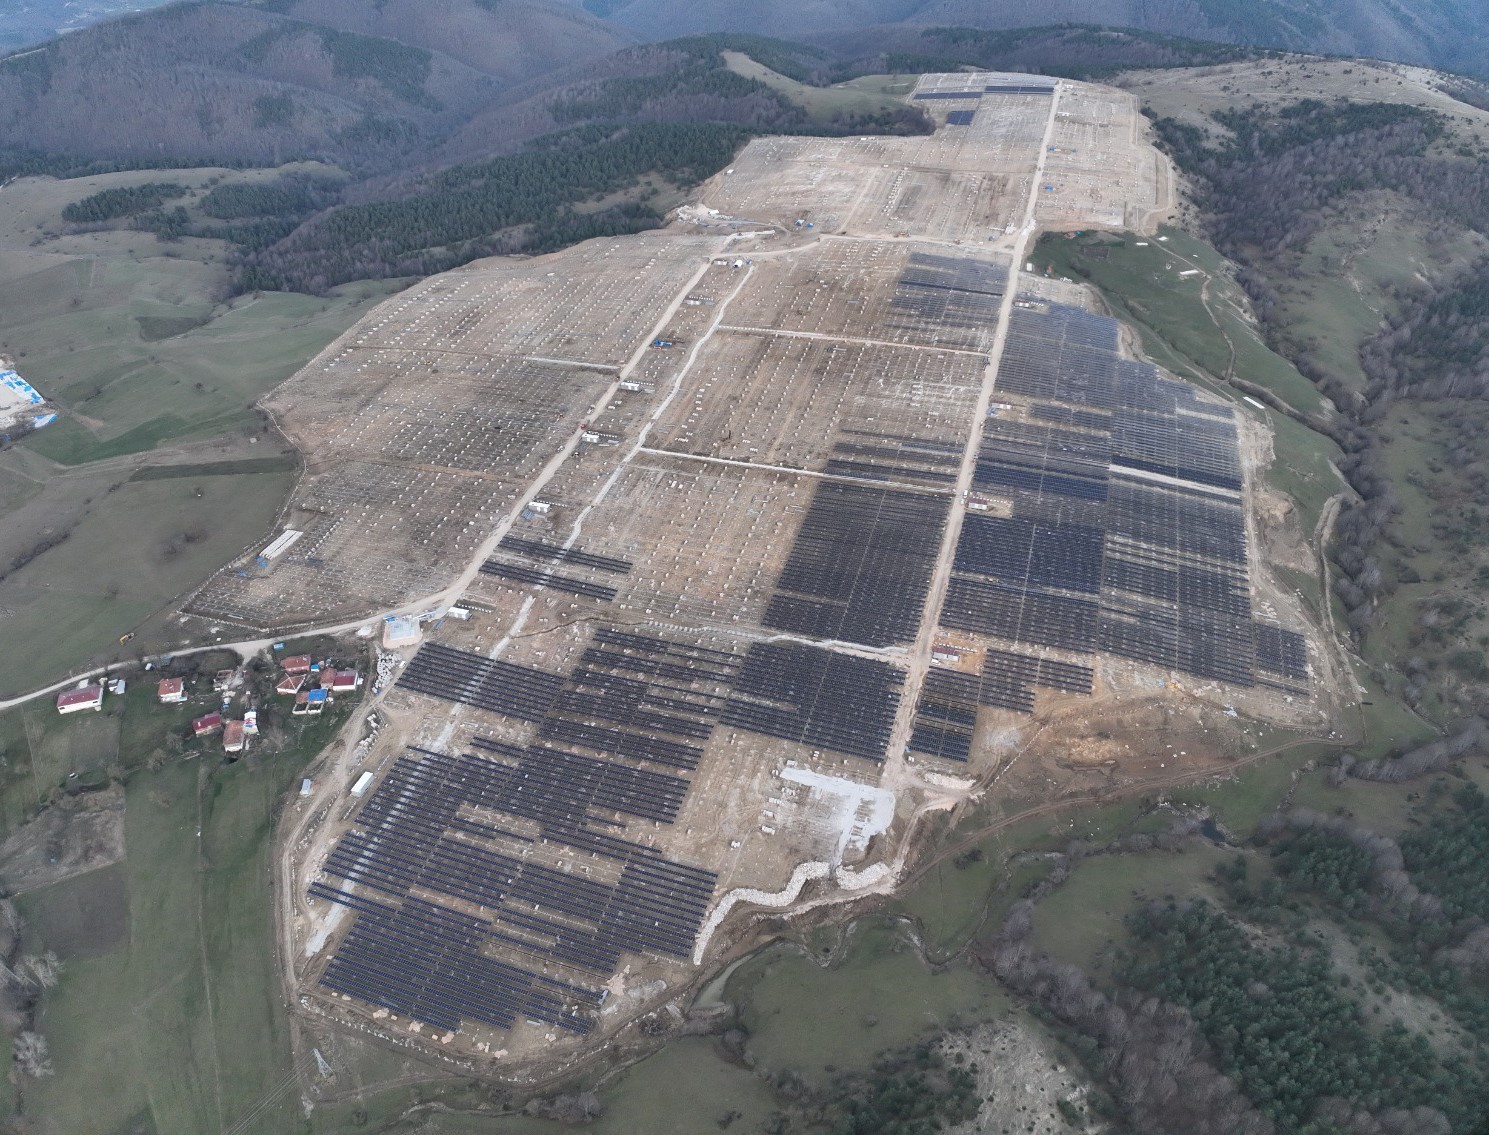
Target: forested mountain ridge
258	83
1452	34
510	40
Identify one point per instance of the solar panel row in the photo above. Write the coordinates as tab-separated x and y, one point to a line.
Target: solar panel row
817	697
521	573
860	565
1127	532
462	830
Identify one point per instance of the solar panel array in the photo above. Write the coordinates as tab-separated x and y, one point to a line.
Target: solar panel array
501	687
1126	532
817	697
542	550
1034	87
861	565
521	573
423	961
950	299
451	845
525	573
947	710
1281	653
883	457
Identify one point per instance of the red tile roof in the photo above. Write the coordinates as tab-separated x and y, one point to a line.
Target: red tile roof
85	696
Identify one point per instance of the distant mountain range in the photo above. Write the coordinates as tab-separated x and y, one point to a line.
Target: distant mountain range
344	80
1452	34
500	34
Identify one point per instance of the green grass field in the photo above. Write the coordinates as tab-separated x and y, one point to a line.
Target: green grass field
1190	325
1082	919
135	547
72	328
177	1025
881	996
1196	320
1349	275
822	104
957	900
159	471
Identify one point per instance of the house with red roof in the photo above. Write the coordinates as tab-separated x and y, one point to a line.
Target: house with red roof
84	697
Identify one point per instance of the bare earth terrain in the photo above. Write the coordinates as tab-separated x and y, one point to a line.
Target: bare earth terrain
774	533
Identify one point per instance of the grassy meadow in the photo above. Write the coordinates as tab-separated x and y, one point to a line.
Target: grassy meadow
168	1017
154	365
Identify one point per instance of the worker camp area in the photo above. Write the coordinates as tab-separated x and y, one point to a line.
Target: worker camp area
730	559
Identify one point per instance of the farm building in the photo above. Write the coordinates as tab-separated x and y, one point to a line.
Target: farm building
171	691
211	723
232	737
310	702
84	697
339	681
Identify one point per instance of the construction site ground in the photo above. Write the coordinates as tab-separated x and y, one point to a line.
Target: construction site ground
432	427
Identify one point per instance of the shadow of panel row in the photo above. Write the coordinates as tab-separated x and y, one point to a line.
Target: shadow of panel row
860	566
816	697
